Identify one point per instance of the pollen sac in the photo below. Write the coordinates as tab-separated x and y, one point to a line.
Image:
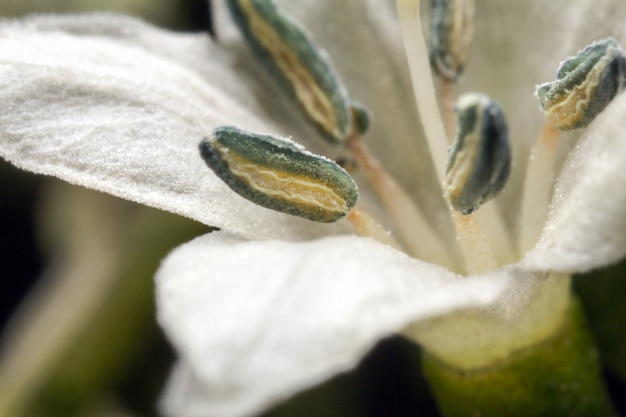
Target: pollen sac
451	33
585	84
479	161
280	175
303	70
361	115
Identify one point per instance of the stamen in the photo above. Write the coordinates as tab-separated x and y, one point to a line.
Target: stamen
278	174
421	77
478	168
585	84
448	98
415	232
360	116
301	68
419	66
489	218
366	226
451	34
480	159
306	73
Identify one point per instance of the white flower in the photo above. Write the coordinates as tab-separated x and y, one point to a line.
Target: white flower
273	304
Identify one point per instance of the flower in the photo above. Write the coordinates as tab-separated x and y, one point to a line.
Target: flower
273	304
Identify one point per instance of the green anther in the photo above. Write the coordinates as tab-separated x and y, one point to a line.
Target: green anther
280	175
480	158
361	116
451	33
303	70
585	84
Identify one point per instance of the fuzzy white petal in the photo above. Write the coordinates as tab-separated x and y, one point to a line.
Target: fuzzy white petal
113	104
586	228
255	322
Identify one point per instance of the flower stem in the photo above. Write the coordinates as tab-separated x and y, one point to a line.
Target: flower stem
415	233
538	187
557	377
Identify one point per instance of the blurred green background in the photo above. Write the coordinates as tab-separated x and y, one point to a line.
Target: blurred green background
77	313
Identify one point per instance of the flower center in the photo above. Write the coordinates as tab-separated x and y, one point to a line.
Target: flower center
474	170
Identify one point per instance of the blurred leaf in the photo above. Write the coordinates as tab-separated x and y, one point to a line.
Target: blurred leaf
92	317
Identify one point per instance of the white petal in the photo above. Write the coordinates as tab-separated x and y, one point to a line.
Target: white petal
255	322
587	224
113	104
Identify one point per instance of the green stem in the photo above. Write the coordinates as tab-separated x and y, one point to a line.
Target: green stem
558	377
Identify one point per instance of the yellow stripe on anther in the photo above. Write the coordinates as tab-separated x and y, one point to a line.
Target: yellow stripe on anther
574	105
289	187
585	84
308	93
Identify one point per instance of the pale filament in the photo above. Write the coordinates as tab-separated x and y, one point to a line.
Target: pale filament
366	226
538	184
448	97
415	232
421	77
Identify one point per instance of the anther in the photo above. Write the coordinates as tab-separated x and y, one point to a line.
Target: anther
278	174
451	33
302	69
585	84
479	161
